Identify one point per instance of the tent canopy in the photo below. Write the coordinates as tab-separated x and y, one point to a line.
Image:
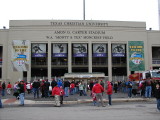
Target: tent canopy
84	75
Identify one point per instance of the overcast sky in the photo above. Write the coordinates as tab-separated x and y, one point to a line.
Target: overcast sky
109	10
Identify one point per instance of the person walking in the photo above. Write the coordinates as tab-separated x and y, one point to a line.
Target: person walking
148	89
134	88
102	84
66	87
1	106
56	93
109	92
9	87
46	88
72	88
81	89
93	95
91	84
36	86
84	88
123	87
115	87
129	86
3	88
61	94
16	93
0	96
29	87
157	96
21	92
53	83
142	88
59	82
42	89
98	89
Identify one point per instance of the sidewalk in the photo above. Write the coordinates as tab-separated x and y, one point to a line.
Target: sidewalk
72	99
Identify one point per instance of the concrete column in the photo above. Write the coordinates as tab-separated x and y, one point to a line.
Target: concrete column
109	62
147	54
49	60
29	74
69	57
29	71
127	54
90	56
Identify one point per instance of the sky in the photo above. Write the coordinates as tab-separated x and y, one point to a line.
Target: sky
109	10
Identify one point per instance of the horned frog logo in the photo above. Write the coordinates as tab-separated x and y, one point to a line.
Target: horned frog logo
136	58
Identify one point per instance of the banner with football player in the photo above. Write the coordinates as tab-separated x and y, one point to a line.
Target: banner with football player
79	50
38	50
59	50
99	50
118	50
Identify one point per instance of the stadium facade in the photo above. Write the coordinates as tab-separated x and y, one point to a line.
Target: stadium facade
45	49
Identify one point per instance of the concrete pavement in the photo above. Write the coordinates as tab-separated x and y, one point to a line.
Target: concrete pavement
86	111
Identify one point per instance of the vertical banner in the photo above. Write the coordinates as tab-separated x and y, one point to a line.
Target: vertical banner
118	50
20	55
79	50
99	50
136	55
60	50
38	50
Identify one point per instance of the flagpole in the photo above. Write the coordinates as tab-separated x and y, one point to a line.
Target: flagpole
83	9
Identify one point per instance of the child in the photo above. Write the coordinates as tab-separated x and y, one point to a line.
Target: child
61	94
94	98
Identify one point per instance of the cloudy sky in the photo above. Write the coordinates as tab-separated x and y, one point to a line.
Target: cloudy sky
112	10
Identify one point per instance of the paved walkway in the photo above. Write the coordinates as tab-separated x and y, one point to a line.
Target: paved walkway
72	99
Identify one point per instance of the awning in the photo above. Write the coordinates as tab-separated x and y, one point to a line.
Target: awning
84	75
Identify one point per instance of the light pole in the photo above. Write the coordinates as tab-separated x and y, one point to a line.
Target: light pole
83	9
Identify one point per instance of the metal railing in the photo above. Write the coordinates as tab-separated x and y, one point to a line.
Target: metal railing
100	63
39	63
155	61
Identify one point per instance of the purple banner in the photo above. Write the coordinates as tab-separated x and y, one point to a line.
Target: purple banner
99	55
38	54
59	54
80	54
118	54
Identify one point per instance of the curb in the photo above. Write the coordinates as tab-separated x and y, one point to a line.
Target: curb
119	100
80	101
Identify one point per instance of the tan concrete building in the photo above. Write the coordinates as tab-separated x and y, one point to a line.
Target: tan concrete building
43	49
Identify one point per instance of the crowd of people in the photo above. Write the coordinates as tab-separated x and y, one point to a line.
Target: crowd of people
59	89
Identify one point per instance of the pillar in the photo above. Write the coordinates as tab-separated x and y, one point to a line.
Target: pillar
90	56
109	62
49	60
69	57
